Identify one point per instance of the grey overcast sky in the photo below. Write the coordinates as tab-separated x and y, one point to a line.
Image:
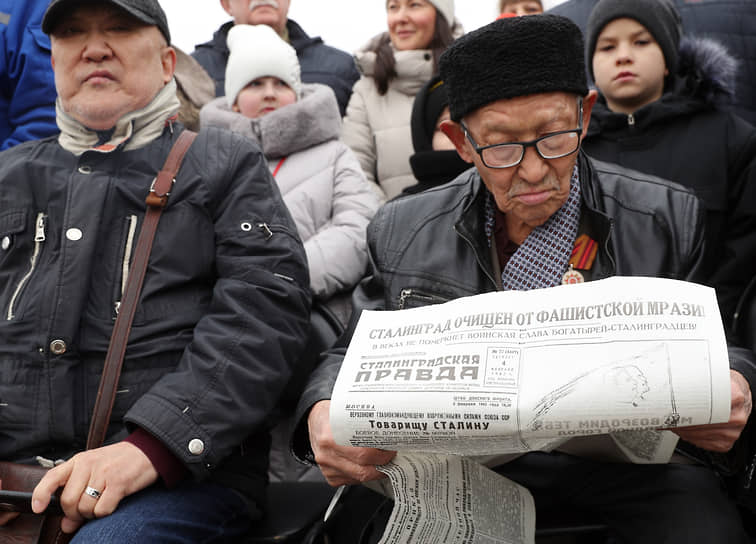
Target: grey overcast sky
346	24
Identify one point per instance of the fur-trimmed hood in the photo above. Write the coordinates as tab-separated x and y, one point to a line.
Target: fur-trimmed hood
312	120
706	70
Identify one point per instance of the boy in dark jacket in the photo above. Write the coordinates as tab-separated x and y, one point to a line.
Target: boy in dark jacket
657	114
731	22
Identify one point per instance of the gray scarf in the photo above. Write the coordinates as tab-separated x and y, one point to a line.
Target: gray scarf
132	131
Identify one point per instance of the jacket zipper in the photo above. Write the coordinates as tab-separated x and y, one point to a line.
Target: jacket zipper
39	239
607	249
477	257
406	294
631	120
126	260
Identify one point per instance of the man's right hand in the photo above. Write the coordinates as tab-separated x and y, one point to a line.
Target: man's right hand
6	517
342	464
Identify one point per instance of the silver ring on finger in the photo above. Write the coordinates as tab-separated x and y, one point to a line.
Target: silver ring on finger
92	492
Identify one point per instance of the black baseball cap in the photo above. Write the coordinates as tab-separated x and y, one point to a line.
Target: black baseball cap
147	11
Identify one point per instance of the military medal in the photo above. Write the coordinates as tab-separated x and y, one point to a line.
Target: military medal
572	276
583	254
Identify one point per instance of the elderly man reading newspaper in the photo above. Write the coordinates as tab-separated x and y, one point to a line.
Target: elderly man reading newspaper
519	106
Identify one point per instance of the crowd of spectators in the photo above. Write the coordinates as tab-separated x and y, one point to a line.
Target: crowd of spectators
324	177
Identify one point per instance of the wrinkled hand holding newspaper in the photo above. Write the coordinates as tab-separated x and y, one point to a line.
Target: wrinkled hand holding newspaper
500	374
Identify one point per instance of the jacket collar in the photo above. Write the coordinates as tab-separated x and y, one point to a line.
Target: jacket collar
312	120
298	38
593	221
132	131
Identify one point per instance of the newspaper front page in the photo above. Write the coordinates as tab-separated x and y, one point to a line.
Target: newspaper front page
512	372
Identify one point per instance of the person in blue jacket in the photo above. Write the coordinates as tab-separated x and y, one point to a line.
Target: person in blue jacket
27	88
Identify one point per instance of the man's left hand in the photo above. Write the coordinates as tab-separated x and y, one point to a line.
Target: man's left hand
722	436
114	471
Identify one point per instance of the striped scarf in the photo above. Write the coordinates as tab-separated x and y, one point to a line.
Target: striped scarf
544	256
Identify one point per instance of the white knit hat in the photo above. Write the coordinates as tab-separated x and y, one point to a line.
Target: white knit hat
257	51
445	8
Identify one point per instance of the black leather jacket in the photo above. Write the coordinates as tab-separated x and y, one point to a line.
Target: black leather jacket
431	247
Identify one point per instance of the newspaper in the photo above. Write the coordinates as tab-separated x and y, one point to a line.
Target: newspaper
472	505
499	374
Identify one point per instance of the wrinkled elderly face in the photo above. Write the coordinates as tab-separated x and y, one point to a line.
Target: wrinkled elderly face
273	13
107	64
532	191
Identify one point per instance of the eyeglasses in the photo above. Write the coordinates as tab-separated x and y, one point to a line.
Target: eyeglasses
551	146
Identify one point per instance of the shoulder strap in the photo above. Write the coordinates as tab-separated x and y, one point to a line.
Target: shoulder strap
111	372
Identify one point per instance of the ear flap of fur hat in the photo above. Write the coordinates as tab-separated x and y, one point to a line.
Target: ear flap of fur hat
445	8
255	52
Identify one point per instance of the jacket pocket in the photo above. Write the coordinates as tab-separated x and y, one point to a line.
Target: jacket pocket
415	298
12	224
20	287
19	401
124	263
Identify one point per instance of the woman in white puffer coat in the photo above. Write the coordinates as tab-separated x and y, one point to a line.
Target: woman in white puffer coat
298	127
395	65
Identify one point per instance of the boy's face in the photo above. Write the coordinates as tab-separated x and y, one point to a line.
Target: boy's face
628	66
262	96
522	7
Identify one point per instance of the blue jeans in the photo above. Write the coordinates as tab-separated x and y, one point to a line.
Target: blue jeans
190	513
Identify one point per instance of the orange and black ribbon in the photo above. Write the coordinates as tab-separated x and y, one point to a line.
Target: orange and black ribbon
583	253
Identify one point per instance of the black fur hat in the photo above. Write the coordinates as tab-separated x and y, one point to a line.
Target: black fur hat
513	57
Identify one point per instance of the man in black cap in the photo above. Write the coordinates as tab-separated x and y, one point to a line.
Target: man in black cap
535	213
223	310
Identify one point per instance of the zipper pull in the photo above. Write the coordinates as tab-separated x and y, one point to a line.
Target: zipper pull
631	120
749	473
403	296
39	232
266	228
